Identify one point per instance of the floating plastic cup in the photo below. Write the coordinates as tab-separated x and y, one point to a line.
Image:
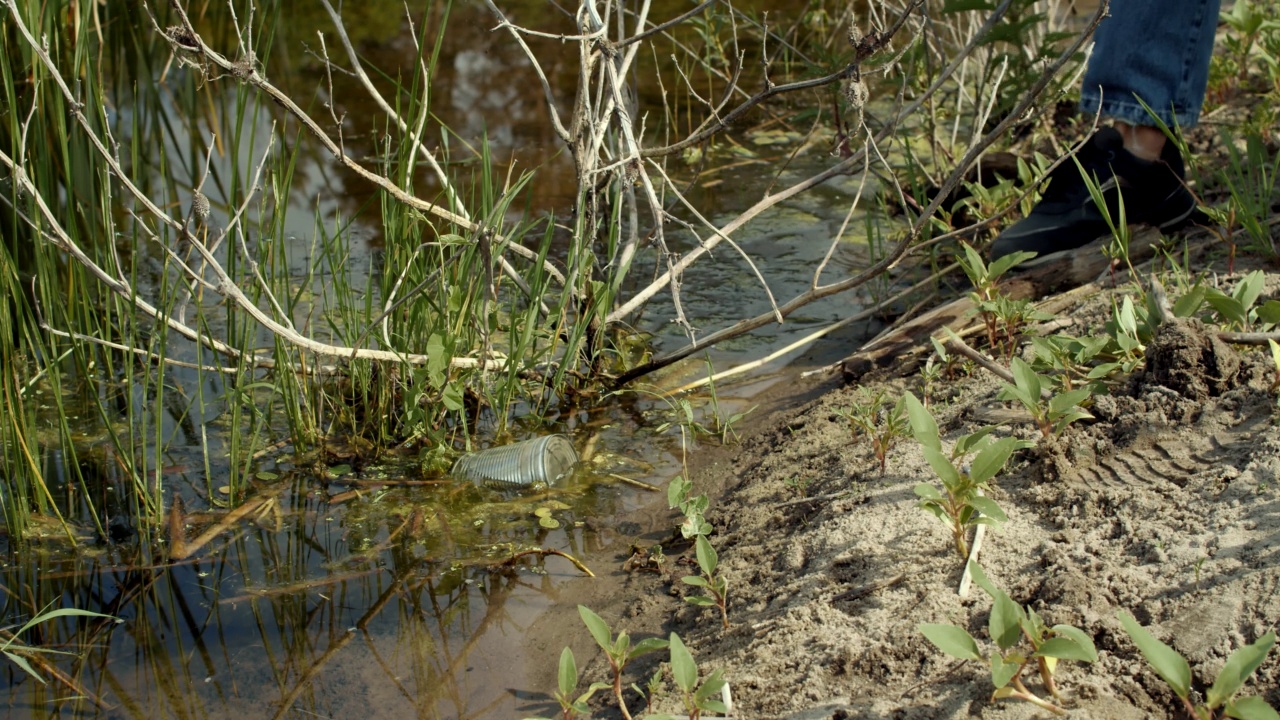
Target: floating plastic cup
525	464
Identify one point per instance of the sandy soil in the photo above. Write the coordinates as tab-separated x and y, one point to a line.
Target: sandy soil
1166	506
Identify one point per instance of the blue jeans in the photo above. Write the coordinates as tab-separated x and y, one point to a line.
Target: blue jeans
1157	50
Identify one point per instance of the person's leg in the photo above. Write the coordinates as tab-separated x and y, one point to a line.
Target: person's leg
1156	50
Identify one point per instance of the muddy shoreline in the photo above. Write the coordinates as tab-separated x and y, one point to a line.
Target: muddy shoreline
1165	506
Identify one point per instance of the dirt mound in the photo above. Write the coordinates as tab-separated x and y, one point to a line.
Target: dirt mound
1186	358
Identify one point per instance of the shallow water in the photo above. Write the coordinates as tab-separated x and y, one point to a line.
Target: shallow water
393	601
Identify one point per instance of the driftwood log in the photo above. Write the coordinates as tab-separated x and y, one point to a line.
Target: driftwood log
904	347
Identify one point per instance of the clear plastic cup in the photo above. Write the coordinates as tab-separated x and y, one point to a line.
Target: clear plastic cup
522	465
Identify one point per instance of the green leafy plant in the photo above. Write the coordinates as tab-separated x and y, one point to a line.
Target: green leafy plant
884	424
1239	310
567	682
960	503
619	650
715	584
1009	625
1051	416
698	697
1220	701
1003	317
693	507
1070	360
17	651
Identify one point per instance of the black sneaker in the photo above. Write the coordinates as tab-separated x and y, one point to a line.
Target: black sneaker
1066	216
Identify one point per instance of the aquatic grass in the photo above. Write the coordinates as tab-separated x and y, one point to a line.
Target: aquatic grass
476	310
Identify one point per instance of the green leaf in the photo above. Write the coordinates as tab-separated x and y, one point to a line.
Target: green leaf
1080	638
1002	672
941	465
63	612
683	668
951	640
695	580
26	666
967	443
1127	318
1249	288
646	645
1065	649
452	397
710	688
700	600
1067	400
973	266
596	625
1228	307
991	460
1069	418
1269	312
1005	623
1251	708
1190	303
568	675
927	491
707	558
1007	262
1026	379
1166	661
675	491
437	359
923	427
988	508
1240	665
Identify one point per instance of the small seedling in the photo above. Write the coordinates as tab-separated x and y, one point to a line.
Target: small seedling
801	484
698	699
1069	359
618	650
716	585
567	680
652	688
693	507
960	504
1118	247
1220	701
1009	625
1052	416
1002	319
872	416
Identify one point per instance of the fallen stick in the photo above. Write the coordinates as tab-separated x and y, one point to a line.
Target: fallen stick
179	549
543	552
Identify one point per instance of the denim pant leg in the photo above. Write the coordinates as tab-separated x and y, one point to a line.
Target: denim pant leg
1157	50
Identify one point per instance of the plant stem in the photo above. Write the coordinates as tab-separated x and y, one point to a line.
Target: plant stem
1046	677
1025	694
617	692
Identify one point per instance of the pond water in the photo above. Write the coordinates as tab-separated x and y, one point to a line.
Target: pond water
346	592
